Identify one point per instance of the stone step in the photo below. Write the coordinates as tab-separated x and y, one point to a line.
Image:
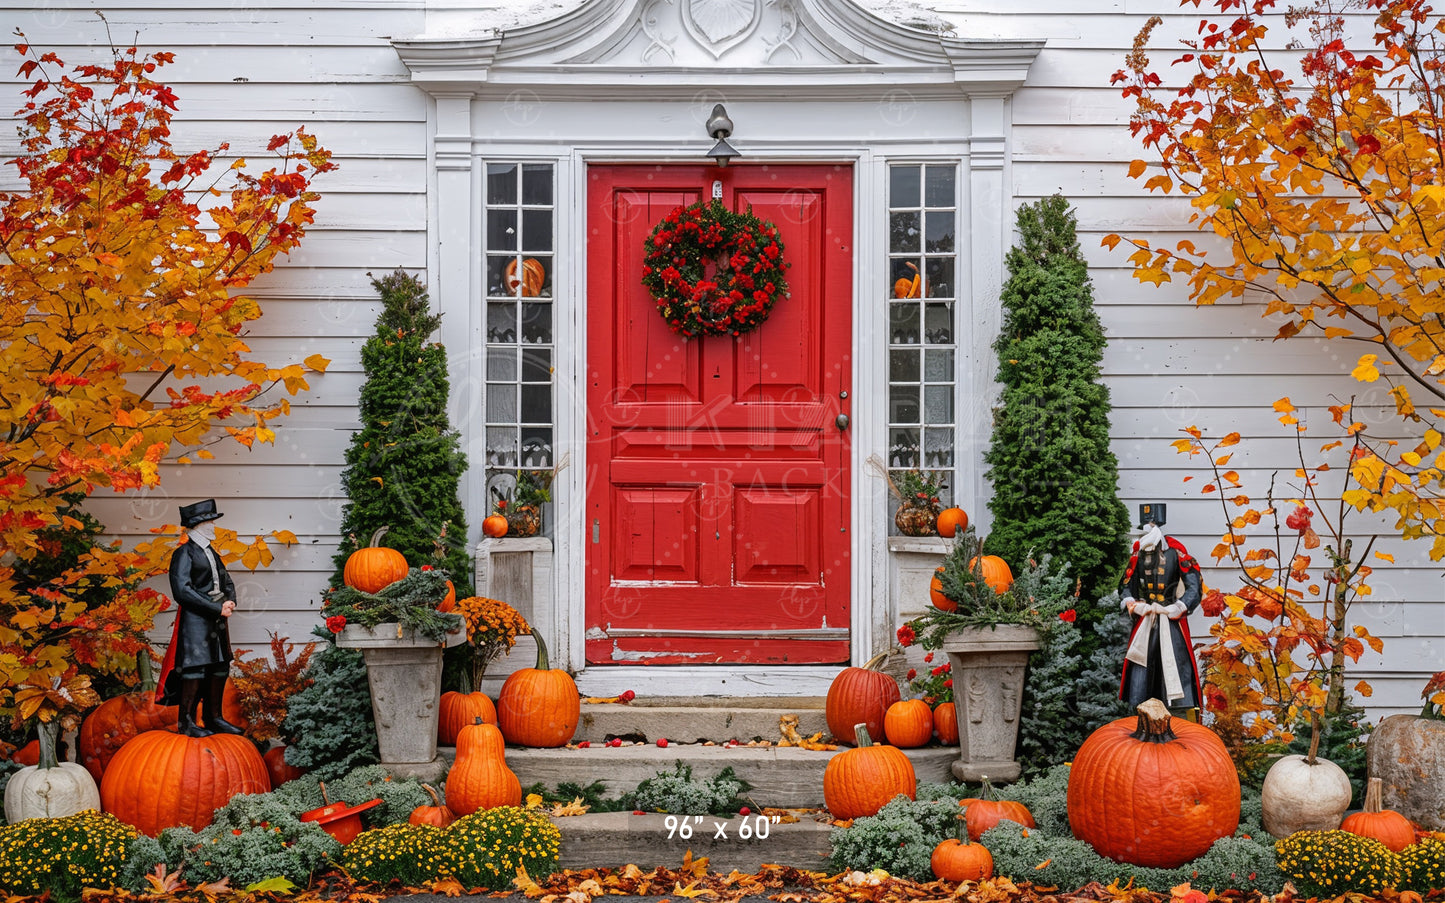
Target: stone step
612	839
694	720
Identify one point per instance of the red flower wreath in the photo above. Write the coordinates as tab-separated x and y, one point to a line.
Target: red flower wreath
713	271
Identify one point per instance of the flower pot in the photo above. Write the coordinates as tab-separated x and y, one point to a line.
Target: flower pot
916	521
524	520
404	674
989	665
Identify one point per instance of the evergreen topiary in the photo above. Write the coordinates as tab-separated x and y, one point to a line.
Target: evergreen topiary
1054	476
404	465
329	727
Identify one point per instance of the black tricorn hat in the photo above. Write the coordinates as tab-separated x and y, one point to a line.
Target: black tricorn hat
199	513
1152	513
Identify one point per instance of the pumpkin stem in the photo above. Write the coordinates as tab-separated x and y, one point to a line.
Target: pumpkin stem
860	735
542	663
145	670
435	799
1314	737
876	662
1154	722
376	537
48	732
464	682
987	791
1373	795
325	800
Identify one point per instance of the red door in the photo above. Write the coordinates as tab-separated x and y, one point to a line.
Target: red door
717	467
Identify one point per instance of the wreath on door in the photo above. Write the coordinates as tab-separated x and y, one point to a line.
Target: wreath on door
713	271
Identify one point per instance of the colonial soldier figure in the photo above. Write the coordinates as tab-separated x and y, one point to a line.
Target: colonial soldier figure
1161	587
199	657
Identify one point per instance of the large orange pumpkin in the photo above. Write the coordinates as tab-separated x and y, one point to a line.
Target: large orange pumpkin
1153	790
480	778
539	706
117	720
279	769
859	782
984	812
908	723
860	695
945	722
1385	825
996	572
959	860
161	780
457	710
375	567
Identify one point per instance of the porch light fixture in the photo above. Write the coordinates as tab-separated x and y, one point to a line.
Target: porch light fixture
719	126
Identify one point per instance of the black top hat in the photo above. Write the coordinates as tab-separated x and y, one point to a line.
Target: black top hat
1152	513
199	513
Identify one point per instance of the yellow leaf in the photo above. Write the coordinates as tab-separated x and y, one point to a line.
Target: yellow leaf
1385	556
1136	168
534	801
692	890
1365	371
1364	689
524	883
285	537
1227	441
1283	406
1110	241
317	362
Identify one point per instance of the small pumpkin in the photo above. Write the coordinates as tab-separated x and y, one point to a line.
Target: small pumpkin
279	769
903	287
995	572
860	695
1155	791
29	754
908	723
1304	793
860	781
984	812
935	593
449	601
479	778
375	567
437	814
163	780
950	521
533	276
945	723
50	788
959	860
457	710
112	723
539	706
494	525
1385	825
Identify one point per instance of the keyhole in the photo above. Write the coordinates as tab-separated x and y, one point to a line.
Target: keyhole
717	372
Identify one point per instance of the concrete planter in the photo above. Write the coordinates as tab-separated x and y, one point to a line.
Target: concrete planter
404	673
989	665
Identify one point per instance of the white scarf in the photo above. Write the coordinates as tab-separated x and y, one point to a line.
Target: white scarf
1149	627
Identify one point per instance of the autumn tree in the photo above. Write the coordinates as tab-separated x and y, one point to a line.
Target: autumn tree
1326	184
121	328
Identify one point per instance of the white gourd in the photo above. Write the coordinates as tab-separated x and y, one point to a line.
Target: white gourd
37	791
1304	793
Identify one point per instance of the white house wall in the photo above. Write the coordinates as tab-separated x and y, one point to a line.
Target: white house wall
242	74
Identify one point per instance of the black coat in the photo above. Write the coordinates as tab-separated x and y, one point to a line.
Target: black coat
201	635
1158	580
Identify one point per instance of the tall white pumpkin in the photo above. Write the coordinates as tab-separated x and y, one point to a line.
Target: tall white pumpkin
51	789
1304	793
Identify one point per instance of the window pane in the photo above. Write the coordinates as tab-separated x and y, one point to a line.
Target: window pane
904	405
903	323
537	183
938	238
938	366
938	188
903	366
537	365
938	447
903	186
502	446
501	183
497	275
938	404
501	230
537	446
502	365
502	403
938	324
903	234
536	323
903	448
940	277
536	404
536	230
501	321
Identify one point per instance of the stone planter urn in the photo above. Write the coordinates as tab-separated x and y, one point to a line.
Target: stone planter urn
404	673
1407	753
988	686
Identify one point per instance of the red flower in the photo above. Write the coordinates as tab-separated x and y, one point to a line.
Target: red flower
336	623
906	636
1213	604
912	673
928	658
427	567
1068	616
1299	519
948	683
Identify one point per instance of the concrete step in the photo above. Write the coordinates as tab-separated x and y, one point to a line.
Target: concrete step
697	719
611	839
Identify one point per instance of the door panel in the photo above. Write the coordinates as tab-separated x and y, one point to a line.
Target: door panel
718	485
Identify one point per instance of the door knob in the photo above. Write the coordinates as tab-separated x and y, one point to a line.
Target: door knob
842	421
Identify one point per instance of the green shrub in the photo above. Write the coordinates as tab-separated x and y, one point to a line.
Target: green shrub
485	848
399	796
1330	863
64	855
1422	866
410	854
679	793
899	839
253	837
1046	797
329	727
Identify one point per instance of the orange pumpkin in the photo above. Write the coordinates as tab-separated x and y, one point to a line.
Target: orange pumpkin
950	521
945	722
231	705
480	778
539	706
457	710
995	571
1385	825
859	782
115	721
27	755
533	275
1153	790
908	724
279	769
437	814
449	601
375	567
494	525
935	593
902	287
860	695
162	780
982	813
959	860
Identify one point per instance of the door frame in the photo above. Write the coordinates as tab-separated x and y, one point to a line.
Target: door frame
868	578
